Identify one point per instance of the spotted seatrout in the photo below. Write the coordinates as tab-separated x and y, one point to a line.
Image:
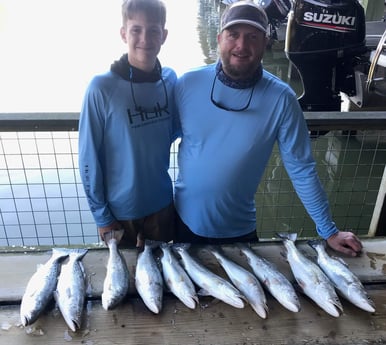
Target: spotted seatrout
211	284
311	279
71	289
40	287
148	278
116	283
176	278
272	279
244	280
345	281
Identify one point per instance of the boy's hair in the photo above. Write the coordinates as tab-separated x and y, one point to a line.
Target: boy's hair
154	10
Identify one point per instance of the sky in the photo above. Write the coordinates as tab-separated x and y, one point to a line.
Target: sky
51	49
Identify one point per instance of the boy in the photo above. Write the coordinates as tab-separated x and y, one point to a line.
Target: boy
126	127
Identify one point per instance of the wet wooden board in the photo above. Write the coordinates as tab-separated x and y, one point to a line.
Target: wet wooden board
17	267
212	322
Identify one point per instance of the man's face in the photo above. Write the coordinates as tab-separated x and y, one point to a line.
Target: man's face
144	39
241	49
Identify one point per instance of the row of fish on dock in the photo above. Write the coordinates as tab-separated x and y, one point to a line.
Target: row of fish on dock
178	271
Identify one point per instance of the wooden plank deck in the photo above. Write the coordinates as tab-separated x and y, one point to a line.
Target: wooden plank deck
212	322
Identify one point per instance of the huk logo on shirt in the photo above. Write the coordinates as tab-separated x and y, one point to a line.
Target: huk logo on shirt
143	117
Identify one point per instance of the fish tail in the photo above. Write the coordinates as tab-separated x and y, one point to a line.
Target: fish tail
165	245
78	253
213	249
243	246
153	243
113	235
315	243
59	253
178	247
292	236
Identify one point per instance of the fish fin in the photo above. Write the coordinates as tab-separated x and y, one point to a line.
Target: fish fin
283	254
68	293
203	292
301	284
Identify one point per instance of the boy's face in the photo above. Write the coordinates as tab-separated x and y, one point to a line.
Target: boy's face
144	39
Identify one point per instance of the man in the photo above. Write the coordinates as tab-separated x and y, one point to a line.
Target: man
126	128
232	113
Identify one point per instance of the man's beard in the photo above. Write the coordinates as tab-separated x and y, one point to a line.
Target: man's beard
240	71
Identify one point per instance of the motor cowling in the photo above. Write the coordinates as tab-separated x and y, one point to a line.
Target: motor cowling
323	40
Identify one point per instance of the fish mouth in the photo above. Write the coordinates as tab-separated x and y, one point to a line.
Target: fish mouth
74	325
25	321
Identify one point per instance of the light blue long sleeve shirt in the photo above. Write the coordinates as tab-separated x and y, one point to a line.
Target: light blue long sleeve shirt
223	154
124	153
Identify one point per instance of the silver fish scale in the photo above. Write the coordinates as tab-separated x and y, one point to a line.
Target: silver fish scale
345	281
312	280
40	288
245	281
176	278
273	280
148	280
211	283
116	283
71	290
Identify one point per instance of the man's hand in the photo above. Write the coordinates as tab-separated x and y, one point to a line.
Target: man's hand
345	242
113	226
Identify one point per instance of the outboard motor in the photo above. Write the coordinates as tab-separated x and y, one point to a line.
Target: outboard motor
277	11
323	40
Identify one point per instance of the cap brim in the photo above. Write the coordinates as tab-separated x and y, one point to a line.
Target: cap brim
244	21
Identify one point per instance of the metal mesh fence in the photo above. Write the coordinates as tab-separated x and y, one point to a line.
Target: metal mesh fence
42	201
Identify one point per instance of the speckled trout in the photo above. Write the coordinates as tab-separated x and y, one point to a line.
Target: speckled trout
244	280
116	283
40	287
211	284
272	279
345	281
176	278
311	279
148	278
71	289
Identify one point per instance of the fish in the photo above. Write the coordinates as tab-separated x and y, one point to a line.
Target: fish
345	281
311	279
210	283
272	279
244	281
116	283
176	278
71	289
40	287
148	278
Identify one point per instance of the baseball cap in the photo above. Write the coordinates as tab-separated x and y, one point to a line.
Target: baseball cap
245	12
